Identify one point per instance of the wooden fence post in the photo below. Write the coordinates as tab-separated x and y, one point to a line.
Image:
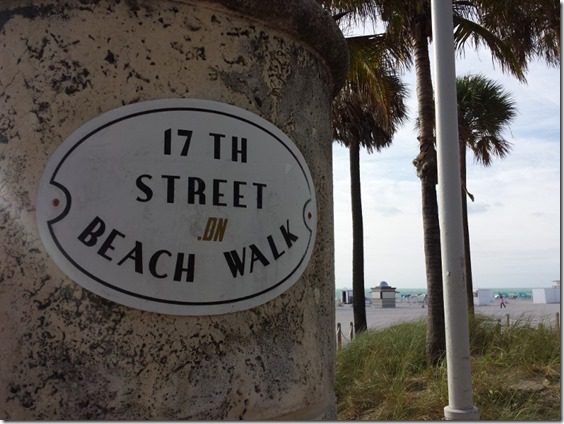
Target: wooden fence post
339	337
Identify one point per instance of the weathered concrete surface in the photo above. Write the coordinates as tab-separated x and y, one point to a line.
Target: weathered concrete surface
69	354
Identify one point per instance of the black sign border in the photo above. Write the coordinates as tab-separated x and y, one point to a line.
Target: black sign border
53	221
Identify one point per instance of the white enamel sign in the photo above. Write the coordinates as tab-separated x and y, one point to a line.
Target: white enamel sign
179	206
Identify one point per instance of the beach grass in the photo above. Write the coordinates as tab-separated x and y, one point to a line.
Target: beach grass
382	374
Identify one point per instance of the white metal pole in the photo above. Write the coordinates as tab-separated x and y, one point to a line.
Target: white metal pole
460	405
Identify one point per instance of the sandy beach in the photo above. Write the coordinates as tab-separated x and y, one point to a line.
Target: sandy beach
518	309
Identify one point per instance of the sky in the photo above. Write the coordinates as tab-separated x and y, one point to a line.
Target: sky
514	221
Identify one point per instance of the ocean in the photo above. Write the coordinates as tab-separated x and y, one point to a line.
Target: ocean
510	293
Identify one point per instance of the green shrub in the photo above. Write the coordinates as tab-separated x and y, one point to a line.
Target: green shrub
382	375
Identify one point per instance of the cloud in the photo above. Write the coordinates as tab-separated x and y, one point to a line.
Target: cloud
515	221
478	207
388	211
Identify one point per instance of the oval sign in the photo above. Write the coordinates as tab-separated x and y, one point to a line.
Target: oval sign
179	206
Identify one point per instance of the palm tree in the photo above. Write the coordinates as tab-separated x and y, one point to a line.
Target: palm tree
484	112
408	22
476	22
366	114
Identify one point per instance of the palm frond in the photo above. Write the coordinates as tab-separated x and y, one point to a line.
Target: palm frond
351	11
380	51
485	111
369	116
467	31
530	27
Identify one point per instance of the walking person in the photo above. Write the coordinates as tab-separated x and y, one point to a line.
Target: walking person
502	302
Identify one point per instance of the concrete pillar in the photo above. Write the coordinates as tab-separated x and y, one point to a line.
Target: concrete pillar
67	353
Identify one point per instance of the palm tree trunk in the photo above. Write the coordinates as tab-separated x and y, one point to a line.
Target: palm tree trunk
467	261
426	164
359	305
